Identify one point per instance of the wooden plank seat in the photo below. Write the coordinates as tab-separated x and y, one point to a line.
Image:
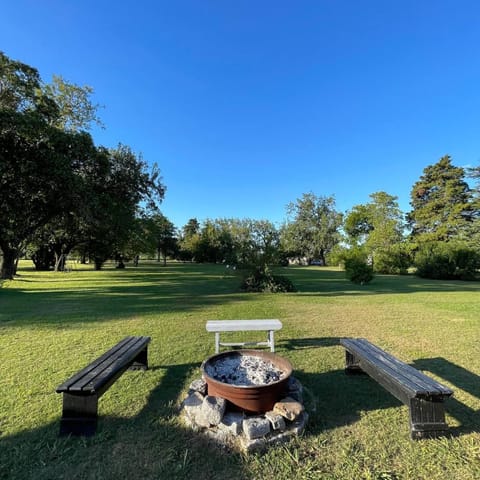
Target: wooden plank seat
82	391
267	325
423	396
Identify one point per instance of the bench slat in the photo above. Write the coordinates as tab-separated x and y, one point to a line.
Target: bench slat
414	381
100	372
430	385
392	371
65	385
107	371
394	368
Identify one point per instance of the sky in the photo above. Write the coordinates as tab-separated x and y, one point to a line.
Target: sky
246	105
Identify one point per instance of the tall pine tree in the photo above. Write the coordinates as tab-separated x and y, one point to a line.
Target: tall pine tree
442	204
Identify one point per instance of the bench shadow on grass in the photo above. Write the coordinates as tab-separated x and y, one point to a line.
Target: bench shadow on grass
152	444
461	378
338	399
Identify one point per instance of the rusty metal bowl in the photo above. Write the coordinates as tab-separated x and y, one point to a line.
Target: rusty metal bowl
249	398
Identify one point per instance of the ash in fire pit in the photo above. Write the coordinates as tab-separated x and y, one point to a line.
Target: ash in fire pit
244	371
251	380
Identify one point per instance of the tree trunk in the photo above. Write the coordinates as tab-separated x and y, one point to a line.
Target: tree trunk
59	262
8	268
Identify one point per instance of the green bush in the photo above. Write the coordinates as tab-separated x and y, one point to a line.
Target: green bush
447	261
261	280
394	260
356	266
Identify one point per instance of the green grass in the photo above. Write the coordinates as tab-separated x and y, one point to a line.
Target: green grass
51	325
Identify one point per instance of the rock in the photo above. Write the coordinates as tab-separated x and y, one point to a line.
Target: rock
253	445
213	409
232	423
298	426
256	427
199	386
295	389
191	404
288	408
276	421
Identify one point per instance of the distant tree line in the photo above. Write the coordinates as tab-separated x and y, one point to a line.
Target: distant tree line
440	236
60	194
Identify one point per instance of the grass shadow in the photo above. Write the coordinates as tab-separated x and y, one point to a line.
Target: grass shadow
337	399
463	379
116	294
149	445
310	342
325	281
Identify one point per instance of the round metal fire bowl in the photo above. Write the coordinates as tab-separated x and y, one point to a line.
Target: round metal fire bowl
249	398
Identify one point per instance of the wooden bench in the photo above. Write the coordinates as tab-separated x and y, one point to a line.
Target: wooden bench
82	391
423	395
220	326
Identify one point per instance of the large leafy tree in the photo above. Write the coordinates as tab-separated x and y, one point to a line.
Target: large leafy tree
126	191
66	229
441	200
36	179
376	225
36	159
313	227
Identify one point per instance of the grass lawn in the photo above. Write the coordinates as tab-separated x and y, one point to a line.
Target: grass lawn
51	325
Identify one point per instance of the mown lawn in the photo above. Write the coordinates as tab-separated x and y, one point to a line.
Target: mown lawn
51	325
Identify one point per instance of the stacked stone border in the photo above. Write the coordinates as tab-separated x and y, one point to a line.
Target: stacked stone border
216	419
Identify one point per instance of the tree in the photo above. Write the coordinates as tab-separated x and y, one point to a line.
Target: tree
38	162
377	227
189	238
19	85
126	191
441	201
76	111
36	179
313	229
162	231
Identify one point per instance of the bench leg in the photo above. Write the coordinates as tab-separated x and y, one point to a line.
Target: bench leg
427	418
217	342
140	362
271	340
79	415
352	364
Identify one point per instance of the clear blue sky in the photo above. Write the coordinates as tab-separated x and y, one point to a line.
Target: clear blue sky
245	105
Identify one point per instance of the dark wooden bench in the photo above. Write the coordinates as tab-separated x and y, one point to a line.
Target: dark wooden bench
82	391
423	395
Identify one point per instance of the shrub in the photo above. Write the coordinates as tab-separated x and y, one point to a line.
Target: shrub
394	260
358	271
261	280
447	261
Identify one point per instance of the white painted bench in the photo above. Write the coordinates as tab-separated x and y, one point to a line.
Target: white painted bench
219	326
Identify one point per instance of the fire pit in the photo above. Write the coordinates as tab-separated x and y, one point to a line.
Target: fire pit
246	399
250	380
